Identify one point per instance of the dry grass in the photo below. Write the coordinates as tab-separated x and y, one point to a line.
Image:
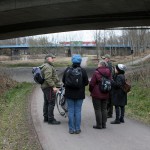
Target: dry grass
124	59
62	61
139	97
38	61
6	83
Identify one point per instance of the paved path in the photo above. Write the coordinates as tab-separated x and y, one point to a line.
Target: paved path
84	61
131	135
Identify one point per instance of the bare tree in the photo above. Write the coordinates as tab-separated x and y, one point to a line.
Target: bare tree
98	40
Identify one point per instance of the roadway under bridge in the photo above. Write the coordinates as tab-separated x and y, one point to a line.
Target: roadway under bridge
31	17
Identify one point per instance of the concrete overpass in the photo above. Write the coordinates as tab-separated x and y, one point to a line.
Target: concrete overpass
31	17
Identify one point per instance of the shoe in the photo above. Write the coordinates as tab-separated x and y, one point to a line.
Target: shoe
97	127
71	132
54	122
104	126
122	120
78	132
45	119
115	122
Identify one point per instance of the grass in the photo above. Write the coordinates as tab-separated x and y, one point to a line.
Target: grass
66	61
139	103
56	64
59	62
15	129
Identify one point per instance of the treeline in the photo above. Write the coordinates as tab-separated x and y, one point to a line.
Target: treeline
137	39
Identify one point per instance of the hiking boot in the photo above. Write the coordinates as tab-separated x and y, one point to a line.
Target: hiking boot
71	132
97	127
104	126
78	132
54	122
121	120
45	119
115	122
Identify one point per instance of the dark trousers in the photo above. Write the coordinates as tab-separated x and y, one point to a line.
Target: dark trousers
119	112
49	103
109	107
100	108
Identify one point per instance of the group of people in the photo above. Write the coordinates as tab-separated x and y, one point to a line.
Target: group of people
102	102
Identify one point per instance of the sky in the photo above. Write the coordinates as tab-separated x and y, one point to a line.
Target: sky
82	35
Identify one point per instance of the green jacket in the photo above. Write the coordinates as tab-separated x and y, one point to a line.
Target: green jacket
49	74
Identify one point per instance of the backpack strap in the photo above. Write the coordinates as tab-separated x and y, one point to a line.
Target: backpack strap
42	66
102	74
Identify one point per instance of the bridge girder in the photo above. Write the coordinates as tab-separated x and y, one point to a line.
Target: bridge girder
32	17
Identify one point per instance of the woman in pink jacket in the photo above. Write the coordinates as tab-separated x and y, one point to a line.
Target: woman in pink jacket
99	98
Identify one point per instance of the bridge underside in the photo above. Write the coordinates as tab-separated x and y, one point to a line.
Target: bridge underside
40	17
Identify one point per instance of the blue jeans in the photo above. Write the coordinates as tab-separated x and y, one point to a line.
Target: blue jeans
74	114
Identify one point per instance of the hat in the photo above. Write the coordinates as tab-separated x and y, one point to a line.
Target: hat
76	58
121	68
50	55
106	56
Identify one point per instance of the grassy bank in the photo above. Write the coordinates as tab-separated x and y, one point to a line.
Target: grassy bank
139	103
139	98
16	132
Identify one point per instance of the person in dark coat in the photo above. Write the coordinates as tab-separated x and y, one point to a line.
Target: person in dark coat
75	96
99	98
119	97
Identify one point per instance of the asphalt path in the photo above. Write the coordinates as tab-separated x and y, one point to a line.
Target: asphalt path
131	135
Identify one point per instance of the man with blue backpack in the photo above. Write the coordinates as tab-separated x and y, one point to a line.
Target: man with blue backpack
49	88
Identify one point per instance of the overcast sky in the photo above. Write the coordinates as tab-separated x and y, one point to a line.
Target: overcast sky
83	35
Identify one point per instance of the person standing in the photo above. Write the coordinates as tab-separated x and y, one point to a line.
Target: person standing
119	97
109	104
49	88
75	95
99	98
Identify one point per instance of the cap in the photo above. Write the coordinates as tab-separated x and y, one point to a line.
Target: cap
50	55
76	58
121	67
106	56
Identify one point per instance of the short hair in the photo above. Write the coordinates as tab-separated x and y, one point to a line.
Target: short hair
103	63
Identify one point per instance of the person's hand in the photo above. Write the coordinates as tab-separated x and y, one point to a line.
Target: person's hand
55	89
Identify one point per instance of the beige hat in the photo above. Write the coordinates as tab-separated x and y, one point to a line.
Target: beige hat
106	56
50	55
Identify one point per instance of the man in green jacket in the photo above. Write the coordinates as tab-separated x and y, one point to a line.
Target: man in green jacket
106	58
49	88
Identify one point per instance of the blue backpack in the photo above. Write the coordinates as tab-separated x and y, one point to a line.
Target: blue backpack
37	75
